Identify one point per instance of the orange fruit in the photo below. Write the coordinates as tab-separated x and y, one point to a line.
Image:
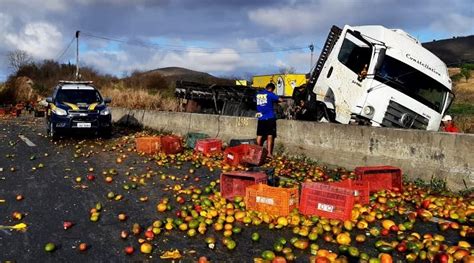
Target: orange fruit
385	258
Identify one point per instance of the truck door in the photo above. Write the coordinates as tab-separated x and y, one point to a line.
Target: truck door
346	78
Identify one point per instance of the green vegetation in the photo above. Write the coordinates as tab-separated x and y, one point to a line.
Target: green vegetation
468	66
461	109
466	73
435	185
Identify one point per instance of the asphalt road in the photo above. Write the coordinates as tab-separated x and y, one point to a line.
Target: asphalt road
45	175
51	196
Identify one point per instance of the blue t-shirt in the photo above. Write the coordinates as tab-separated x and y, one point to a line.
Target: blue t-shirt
265	100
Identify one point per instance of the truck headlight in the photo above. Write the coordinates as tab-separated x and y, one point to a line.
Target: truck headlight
368	110
59	111
105	111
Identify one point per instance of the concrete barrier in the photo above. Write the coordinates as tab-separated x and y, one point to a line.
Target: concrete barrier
420	154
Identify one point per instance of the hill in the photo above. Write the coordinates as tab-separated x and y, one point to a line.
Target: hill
453	52
172	74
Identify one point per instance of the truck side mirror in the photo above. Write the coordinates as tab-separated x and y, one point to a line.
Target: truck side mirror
49	100
107	100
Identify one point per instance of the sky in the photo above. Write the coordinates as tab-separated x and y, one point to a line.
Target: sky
228	38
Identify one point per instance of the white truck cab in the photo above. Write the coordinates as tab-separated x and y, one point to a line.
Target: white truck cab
381	77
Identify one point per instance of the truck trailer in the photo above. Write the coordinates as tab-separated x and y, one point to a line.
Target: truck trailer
380	77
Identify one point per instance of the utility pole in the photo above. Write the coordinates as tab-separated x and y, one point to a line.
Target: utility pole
77	54
311	47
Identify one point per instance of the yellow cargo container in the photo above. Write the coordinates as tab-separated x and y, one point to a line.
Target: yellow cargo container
285	83
241	82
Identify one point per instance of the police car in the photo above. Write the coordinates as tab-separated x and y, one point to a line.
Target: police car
78	105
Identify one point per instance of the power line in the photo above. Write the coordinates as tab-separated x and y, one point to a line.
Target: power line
188	49
66	49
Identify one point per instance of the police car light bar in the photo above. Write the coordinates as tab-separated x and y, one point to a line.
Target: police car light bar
76	82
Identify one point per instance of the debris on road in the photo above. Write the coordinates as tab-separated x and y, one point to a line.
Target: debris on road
143	206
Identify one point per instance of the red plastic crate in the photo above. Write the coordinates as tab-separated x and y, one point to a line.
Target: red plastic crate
171	144
15	112
234	155
149	145
20	106
271	200
254	154
208	146
327	201
233	184
380	177
362	187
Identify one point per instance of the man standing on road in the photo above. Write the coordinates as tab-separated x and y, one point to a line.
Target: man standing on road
266	125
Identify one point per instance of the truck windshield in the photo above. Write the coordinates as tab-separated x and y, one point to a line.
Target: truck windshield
412	82
78	96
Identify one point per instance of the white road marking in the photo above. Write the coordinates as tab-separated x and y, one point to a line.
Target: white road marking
27	141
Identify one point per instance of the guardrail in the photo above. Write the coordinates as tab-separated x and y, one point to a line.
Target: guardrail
420	154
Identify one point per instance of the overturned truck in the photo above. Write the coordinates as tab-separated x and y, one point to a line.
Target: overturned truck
366	75
216	99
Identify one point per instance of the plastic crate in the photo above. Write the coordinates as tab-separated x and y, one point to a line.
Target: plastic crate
271	200
234	155
254	154
208	146
327	201
233	184
362	187
192	137
236	142
380	177
148	145
171	144
15	112
20	106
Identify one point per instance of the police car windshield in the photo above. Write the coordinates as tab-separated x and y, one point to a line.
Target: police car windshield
78	96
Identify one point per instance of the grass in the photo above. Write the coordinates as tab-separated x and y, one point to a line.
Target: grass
462	108
139	99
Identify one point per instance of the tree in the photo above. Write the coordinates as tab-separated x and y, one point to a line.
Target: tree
287	70
17	59
466	72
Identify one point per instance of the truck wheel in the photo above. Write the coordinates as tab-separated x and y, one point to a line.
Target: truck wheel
329	115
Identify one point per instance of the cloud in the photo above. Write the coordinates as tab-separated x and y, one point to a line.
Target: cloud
5	23
300	17
314	16
40	39
224	60
455	23
248	44
230	27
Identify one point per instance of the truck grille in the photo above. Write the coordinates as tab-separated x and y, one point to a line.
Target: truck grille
398	116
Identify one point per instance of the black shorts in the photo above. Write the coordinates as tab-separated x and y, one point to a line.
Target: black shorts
267	127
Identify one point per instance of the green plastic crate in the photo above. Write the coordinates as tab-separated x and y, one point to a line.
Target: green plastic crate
192	137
